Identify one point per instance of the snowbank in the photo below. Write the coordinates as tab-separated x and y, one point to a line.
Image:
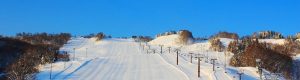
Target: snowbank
172	40
297	57
168	40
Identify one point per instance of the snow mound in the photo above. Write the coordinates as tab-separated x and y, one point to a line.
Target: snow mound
297	57
168	40
273	41
226	41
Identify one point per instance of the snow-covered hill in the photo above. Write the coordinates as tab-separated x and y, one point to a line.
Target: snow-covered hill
124	59
202	48
169	40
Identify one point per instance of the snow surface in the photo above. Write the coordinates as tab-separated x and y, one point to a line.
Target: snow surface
123	59
113	59
297	57
202	48
226	41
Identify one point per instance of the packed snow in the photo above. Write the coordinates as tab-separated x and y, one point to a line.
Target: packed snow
124	59
111	59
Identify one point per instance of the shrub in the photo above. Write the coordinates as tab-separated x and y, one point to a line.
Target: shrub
44	38
227	35
267	35
166	33
216	44
298	35
100	36
185	37
142	38
272	60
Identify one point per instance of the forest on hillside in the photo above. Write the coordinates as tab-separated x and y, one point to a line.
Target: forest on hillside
20	55
276	58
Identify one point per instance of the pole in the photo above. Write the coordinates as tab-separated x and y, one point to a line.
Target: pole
213	64
52	60
240	73
260	73
240	76
51	70
206	56
199	59
198	66
177	56
258	64
225	63
74	54
169	49
65	61
191	57
161	48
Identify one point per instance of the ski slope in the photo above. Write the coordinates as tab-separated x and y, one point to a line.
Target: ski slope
113	59
124	59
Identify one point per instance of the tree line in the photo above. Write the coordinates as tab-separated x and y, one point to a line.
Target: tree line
247	51
98	36
21	55
275	57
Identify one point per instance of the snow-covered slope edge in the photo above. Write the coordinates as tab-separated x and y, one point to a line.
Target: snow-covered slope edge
203	49
168	40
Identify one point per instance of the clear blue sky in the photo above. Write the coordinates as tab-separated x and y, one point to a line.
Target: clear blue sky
138	17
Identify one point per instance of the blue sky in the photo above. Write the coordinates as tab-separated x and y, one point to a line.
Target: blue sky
139	17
